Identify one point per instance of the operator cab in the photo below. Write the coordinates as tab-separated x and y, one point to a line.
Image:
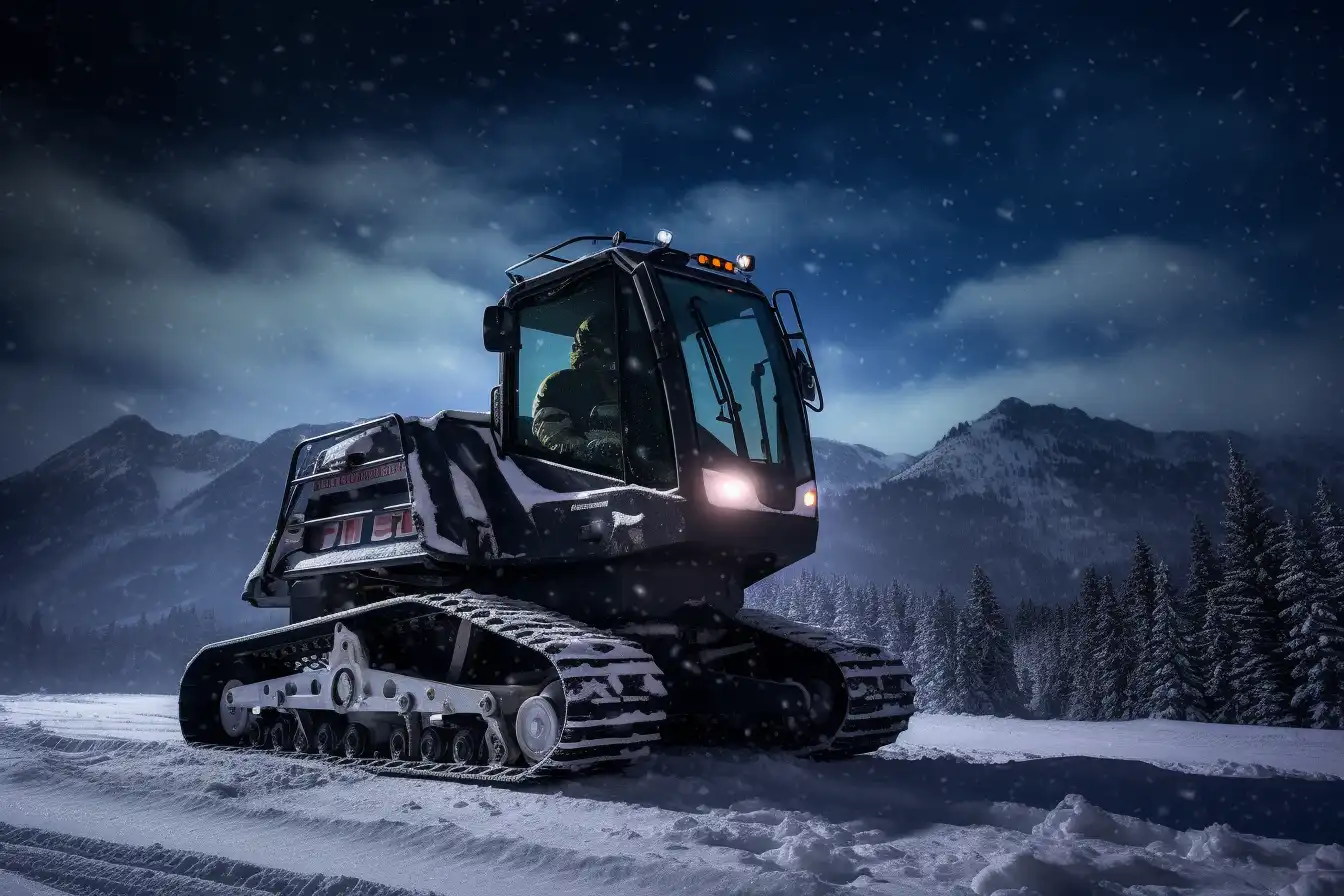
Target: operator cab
703	392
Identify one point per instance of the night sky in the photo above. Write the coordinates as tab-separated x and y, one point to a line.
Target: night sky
244	215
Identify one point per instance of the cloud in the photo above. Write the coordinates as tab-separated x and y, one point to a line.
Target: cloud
1204	361
791	226
246	298
1135	283
341	280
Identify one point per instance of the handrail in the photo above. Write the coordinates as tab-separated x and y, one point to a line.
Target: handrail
293	484
619	239
791	337
391	458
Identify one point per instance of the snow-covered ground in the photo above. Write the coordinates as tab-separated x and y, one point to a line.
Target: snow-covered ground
100	796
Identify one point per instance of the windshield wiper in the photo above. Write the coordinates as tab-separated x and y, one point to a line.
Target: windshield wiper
757	374
718	380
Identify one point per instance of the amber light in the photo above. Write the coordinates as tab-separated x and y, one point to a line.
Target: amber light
810	498
713	261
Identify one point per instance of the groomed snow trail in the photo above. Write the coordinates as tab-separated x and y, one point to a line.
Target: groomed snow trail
101	793
84	865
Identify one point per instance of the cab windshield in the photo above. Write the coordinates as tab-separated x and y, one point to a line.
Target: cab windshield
746	406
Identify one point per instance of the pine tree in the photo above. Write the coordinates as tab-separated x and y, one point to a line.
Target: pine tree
1195	612
847	620
823	608
1139	598
1085	702
1113	663
989	650
969	694
935	678
1315	638
1250	599
1059	683
1176	693
918	610
1329	525
896	607
870	620
795	600
1027	650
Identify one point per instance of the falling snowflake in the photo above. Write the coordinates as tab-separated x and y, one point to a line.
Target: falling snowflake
742	134
704	84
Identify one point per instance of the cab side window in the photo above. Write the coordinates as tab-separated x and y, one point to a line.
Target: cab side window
568	399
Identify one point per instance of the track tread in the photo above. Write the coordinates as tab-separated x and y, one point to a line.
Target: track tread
614	692
881	697
603	729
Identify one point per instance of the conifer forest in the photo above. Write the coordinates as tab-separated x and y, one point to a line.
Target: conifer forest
1248	629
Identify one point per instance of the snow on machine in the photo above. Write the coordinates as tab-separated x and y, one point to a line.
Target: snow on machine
556	586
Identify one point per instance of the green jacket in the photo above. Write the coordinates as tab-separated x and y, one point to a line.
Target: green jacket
574	407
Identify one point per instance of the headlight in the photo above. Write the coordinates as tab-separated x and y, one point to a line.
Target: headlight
730	490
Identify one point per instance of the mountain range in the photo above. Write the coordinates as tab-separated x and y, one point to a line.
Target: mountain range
132	520
1034	493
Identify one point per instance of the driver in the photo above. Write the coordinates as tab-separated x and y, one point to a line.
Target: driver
575	413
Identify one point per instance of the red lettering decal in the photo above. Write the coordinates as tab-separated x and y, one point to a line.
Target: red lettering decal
382	527
329	533
352	531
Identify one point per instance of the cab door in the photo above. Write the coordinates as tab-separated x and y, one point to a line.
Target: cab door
587	411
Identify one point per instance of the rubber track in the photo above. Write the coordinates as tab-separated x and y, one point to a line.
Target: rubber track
614	691
881	695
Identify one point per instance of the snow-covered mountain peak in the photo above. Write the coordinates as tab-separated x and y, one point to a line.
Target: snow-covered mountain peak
1004	453
842	466
92	496
1036	492
132	444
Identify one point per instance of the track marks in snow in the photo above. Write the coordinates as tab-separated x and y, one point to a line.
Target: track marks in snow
81	865
517	839
694	822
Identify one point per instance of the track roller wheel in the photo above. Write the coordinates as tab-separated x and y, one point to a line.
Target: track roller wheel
328	739
279	737
301	742
256	733
355	743
398	744
233	719
537	727
466	746
433	745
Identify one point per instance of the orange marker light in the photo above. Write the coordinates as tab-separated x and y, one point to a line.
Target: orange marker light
810	498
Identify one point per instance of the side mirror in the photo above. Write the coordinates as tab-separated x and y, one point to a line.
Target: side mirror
807	377
499	327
